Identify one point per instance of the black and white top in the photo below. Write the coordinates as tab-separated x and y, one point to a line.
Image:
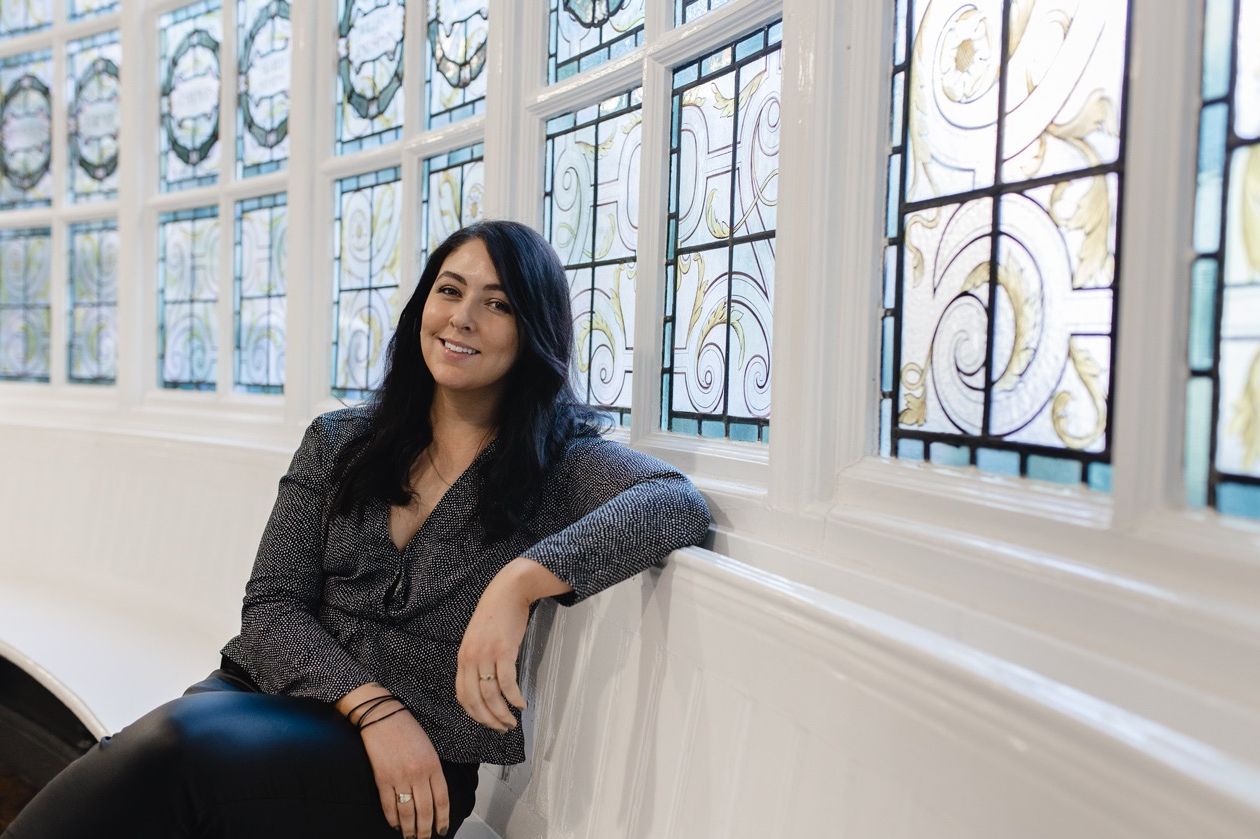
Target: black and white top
319	620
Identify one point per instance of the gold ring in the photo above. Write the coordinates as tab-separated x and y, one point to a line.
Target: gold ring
404	797
488	677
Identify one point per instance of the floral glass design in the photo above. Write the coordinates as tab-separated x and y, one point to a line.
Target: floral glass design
26	130
189	107
188	293
455	84
367	297
92	88
453	184
586	33
89	8
1222	450
719	284
25	310
1003	190
21	16
93	357
263	76
262	251
369	73
591	211
686	11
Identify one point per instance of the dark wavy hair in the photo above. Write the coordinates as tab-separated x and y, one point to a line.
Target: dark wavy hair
538	410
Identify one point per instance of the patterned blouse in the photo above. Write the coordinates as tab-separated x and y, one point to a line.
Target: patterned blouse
319	620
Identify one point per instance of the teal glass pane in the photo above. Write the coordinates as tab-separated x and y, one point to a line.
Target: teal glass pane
997	461
744	431
264	74
1238	499
1213	129
1218	33
369	73
93	86
1098	477
683	425
587	33
188	294
712	428
886	360
947	455
910	449
188	50
893	202
1202	345
261	302
456	35
93	303
25	304
1199	397
1057	469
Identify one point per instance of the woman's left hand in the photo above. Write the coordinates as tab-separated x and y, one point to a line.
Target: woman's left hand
490	647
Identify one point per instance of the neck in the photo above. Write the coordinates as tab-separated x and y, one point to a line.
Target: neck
458	416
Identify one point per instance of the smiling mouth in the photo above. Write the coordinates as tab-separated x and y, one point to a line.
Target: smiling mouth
458	348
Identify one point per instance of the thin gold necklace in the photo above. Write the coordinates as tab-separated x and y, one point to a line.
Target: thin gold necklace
428	452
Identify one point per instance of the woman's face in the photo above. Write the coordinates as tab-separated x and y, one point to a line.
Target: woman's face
468	328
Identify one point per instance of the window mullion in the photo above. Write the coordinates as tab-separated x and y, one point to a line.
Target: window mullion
517	49
137	166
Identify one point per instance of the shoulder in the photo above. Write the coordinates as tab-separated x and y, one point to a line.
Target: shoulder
342	425
596	456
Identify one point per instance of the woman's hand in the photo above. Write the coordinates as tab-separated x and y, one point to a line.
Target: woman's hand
489	649
405	763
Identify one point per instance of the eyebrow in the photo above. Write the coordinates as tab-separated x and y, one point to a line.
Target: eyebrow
464	281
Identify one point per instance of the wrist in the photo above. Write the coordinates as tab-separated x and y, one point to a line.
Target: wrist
362	693
528	581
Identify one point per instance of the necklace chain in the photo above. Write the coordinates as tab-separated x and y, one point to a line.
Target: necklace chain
428	452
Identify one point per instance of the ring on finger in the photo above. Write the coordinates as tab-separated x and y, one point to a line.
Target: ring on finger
487	677
404	797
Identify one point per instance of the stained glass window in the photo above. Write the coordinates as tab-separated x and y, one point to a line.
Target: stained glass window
1006	139
93	302
18	16
453	187
586	33
262	252
591	210
455	86
92	86
719	286
26	130
88	8
188	291
369	73
1223	394
263	75
25	315
367	298
189	47
686	11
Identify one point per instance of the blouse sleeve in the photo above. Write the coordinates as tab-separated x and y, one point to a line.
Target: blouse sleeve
619	511
287	650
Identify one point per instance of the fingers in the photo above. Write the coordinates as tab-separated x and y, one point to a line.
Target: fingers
507	683
407	811
389	805
441	802
492	695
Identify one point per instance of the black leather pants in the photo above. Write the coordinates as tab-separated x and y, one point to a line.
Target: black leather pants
225	760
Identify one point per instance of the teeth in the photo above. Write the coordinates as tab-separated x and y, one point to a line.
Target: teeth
454	348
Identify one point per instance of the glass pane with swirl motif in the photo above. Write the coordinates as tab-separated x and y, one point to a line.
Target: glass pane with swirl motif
724	165
592	219
369	73
188	40
188	294
455	81
998	296
686	11
88	8
25	310
26	130
93	356
453	186
262	251
21	16
586	33
93	87
264	71
367	296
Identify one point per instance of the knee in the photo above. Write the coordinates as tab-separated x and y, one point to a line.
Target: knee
167	736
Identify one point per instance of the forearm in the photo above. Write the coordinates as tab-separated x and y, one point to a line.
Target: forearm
528	580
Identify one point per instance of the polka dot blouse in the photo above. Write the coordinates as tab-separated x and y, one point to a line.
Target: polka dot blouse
322	617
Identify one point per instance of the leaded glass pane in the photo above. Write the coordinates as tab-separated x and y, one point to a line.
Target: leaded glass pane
93	356
92	87
19	16
26	130
586	33
25	311
88	8
263	74
592	220
367	296
1003	187
455	84
262	251
1222	445
453	185
686	11
724	185
188	292
189	107
369	73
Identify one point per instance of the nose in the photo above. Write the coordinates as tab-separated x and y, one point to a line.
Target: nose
461	316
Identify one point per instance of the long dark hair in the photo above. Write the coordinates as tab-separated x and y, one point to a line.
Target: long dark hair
538	411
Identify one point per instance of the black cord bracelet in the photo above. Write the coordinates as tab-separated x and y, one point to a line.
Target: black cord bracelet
374	703
382	719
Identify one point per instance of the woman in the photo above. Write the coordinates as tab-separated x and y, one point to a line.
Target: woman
376	667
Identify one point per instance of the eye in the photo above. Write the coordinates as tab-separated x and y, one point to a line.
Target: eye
501	306
448	288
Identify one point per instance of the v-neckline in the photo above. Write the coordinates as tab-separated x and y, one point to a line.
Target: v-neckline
441	502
